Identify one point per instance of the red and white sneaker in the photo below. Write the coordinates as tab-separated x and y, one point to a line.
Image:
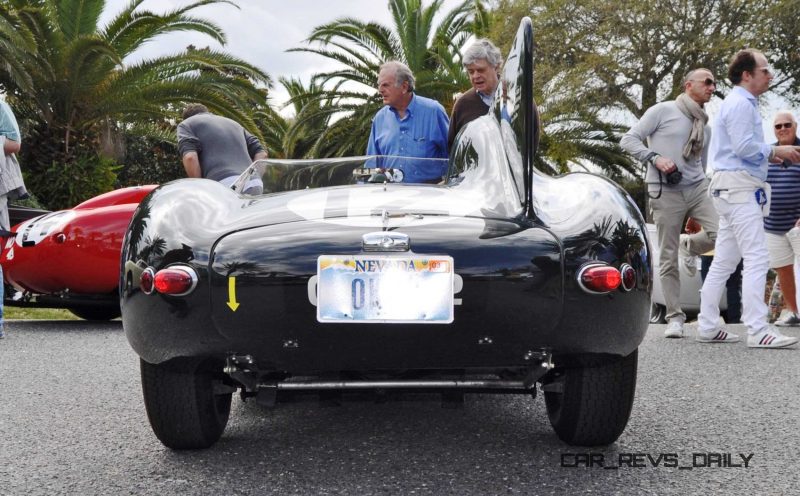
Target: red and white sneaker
770	338
718	335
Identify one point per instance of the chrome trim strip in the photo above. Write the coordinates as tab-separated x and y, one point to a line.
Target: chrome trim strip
420	384
385	241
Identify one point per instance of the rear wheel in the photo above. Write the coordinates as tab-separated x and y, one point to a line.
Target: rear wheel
658	314
187	403
97	313
590	405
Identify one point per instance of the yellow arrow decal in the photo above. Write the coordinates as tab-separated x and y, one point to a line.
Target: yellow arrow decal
232	293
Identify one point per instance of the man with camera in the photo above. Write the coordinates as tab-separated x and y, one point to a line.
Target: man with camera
672	138
741	196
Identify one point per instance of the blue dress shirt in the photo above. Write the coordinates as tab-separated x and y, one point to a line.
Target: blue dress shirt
737	138
421	133
487	99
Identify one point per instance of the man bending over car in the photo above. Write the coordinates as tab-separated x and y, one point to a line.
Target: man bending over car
218	148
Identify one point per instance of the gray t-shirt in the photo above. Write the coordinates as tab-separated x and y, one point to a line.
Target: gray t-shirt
666	129
223	146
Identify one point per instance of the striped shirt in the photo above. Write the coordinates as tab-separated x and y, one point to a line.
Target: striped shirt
784	209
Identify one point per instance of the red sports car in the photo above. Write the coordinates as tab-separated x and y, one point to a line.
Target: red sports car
71	258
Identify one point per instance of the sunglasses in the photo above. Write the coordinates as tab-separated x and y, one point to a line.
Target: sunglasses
785	125
706	81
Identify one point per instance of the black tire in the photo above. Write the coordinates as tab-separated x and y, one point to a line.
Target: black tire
186	402
595	402
658	314
97	313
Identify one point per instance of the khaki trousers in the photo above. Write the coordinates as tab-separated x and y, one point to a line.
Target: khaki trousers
669	215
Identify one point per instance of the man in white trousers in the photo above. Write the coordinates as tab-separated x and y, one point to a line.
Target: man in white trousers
740	194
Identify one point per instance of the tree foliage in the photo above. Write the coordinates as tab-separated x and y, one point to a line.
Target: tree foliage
67	79
349	99
602	62
630	54
576	134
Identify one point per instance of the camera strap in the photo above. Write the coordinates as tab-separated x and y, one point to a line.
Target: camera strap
650	160
660	187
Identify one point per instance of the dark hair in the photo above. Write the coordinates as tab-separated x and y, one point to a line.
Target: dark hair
194	109
743	61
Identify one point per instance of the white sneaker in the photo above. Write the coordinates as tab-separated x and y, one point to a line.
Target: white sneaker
789	320
674	329
718	335
770	338
685	256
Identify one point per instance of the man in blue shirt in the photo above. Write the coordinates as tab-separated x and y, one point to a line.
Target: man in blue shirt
408	126
740	195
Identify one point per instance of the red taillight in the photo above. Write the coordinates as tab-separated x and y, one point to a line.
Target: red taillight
146	281
599	278
628	277
175	280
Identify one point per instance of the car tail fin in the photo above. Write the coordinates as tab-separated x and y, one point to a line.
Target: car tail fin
514	103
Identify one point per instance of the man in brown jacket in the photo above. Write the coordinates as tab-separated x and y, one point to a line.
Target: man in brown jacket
482	61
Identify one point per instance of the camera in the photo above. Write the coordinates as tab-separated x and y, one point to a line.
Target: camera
674	177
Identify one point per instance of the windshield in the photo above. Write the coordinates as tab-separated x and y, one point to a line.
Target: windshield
479	175
288	175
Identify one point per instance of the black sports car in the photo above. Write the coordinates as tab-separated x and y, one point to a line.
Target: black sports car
495	280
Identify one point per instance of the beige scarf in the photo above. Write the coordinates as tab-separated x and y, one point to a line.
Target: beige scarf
693	110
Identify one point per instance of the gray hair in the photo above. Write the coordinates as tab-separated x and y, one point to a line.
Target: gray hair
482	49
402	73
690	74
785	112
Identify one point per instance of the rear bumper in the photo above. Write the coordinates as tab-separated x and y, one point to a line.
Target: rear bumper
283	335
519	298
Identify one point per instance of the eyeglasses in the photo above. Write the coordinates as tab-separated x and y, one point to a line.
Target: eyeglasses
706	81
785	125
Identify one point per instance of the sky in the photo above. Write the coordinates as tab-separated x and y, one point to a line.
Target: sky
261	31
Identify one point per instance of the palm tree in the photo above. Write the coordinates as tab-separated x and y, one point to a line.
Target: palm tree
293	137
431	52
13	40
582	140
68	80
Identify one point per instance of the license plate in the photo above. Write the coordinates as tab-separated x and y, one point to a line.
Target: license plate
385	289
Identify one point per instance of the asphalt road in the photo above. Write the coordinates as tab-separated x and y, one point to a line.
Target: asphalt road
72	422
